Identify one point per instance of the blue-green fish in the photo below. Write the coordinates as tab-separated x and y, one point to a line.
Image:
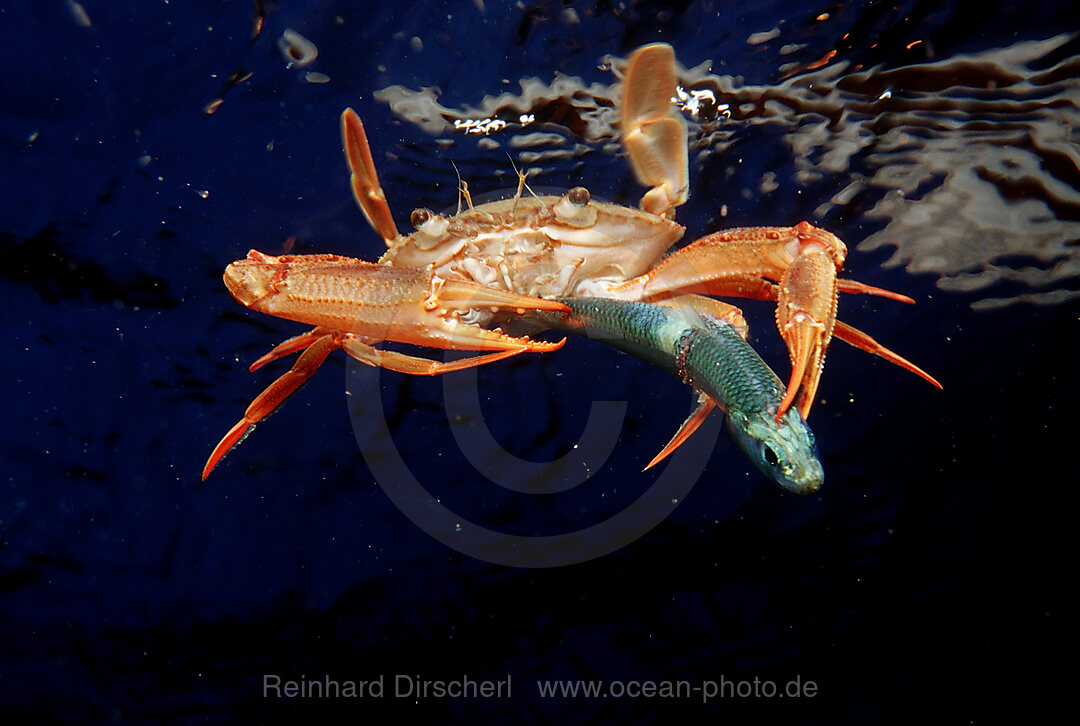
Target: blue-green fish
712	355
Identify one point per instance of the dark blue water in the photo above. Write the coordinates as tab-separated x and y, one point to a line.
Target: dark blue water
930	576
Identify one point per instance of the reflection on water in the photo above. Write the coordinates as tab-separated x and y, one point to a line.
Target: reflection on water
971	163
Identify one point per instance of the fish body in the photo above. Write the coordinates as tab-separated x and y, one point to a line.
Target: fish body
711	355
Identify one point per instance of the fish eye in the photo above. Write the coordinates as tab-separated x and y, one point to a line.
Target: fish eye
420	217
769	455
578	196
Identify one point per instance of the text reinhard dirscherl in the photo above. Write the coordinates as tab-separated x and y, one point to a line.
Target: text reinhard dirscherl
400	686
415	687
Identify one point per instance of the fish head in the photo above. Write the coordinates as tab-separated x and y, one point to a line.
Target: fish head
784	451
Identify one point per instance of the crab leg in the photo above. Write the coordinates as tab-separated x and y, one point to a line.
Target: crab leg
304	368
653	133
288	347
354	304
862	341
380	358
326	342
722	311
859	288
364	179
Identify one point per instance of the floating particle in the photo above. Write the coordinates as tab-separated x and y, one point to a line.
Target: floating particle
315	77
297	49
203	193
416	44
262	9
234	80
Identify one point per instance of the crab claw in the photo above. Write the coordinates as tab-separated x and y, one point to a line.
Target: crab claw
796	266
806	315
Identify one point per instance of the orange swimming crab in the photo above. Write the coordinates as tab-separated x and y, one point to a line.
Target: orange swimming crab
442	284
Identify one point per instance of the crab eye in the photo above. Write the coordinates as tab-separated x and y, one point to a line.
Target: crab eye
769	455
420	217
578	196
